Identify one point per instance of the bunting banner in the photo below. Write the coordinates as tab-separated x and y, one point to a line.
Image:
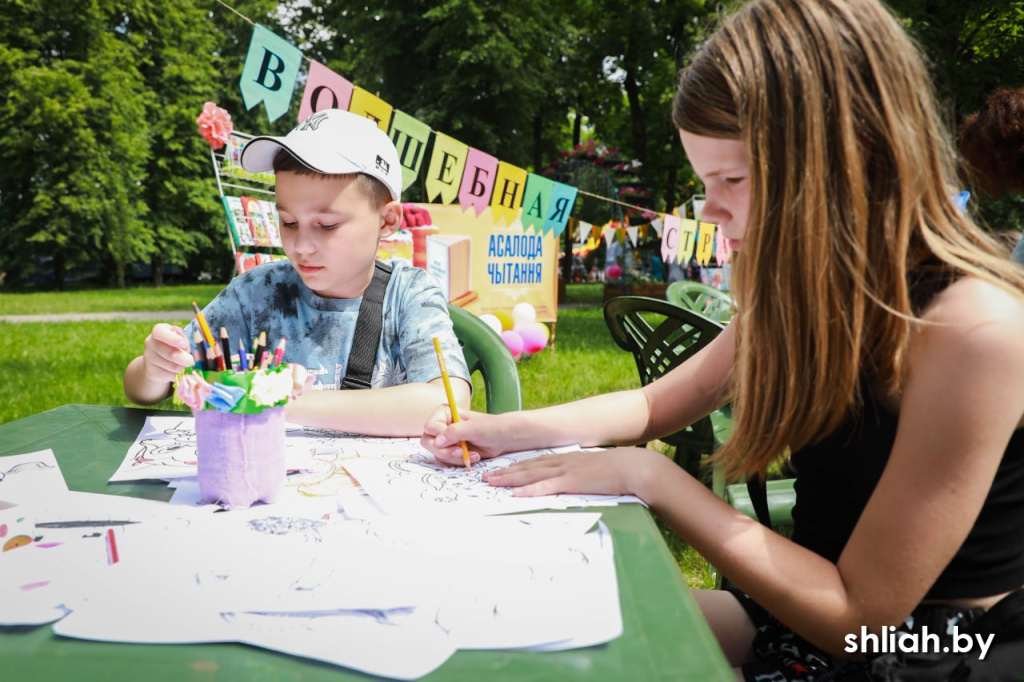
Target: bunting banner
722	250
270	71
563	197
444	175
584	231
477	181
687	239
367	104
705	242
324	90
509	188
410	136
632	233
536	200
669	238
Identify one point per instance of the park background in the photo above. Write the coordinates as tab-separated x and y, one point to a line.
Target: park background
109	200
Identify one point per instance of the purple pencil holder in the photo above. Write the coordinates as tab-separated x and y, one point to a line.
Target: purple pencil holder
241	456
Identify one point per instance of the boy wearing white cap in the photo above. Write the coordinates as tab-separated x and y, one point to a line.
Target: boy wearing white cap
351	320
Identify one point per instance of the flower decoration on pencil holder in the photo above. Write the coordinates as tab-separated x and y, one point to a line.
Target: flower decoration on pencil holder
240	430
215	125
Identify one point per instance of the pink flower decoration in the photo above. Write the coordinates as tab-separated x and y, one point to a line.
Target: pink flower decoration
192	389
215	125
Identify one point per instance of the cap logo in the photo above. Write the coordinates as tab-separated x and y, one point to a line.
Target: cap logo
383	165
313	121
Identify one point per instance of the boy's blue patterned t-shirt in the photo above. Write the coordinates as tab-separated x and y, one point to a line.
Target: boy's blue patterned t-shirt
319	331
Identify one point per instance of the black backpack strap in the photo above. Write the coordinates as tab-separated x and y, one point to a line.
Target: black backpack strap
758	491
368	330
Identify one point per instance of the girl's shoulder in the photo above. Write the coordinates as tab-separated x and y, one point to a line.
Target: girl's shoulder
971	301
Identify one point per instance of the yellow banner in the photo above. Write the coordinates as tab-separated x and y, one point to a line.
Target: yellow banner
369	105
705	242
447	163
508	193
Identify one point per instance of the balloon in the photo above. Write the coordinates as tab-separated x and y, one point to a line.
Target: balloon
614	272
514	342
523	314
535	337
491	321
505	317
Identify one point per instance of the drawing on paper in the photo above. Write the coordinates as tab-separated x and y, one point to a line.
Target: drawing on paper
174	446
308	529
448	484
23	467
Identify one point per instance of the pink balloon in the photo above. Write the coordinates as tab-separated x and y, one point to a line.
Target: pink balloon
535	337
614	271
514	342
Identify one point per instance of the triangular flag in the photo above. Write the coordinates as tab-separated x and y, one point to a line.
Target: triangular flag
705	242
410	136
670	238
507	197
632	232
687	239
477	180
444	175
563	197
722	250
271	68
536	201
324	90
367	104
658	225
608	233
585	229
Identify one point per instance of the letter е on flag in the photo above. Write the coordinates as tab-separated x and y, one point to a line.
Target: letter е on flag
444	175
269	74
324	90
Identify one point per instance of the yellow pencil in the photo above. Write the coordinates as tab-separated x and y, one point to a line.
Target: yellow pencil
451	399
205	328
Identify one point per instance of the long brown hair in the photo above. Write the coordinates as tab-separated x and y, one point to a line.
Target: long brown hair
850	167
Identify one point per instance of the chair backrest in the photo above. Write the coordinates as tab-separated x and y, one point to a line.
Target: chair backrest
486	353
661	336
701	298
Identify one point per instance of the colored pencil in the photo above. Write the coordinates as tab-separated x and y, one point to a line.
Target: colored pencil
211	359
112	557
243	353
279	352
225	345
218	357
197	337
451	399
202	324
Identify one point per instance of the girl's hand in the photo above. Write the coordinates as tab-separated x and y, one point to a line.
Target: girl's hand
166	353
603	472
485	435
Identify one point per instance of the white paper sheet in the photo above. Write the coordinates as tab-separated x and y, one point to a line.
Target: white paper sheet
30	476
420	485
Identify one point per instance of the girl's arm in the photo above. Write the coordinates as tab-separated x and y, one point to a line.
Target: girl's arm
962	400
684	395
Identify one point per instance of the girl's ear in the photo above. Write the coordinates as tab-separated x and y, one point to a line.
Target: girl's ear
391	218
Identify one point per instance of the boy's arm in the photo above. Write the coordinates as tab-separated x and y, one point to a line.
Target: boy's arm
148	378
396	411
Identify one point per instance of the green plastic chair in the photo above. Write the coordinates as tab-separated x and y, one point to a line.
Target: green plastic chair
661	336
701	298
486	353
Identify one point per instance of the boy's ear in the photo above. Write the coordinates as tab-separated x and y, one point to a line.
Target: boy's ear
391	218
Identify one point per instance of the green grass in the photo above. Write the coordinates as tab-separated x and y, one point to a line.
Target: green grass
169	298
51	364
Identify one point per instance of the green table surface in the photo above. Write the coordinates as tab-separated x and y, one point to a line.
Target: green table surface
664	635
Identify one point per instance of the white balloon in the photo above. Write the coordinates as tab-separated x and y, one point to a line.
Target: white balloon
492	321
523	314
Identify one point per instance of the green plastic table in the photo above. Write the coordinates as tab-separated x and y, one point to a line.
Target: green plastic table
664	638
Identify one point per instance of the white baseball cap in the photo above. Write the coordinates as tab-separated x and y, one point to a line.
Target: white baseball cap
332	142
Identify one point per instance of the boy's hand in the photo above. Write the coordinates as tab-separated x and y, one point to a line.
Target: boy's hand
166	353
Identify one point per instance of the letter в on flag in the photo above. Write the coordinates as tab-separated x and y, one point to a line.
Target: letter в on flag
507	196
410	136
324	90
477	180
271	68
372	107
447	163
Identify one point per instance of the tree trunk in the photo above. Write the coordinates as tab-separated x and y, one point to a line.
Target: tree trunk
577	125
636	110
157	265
